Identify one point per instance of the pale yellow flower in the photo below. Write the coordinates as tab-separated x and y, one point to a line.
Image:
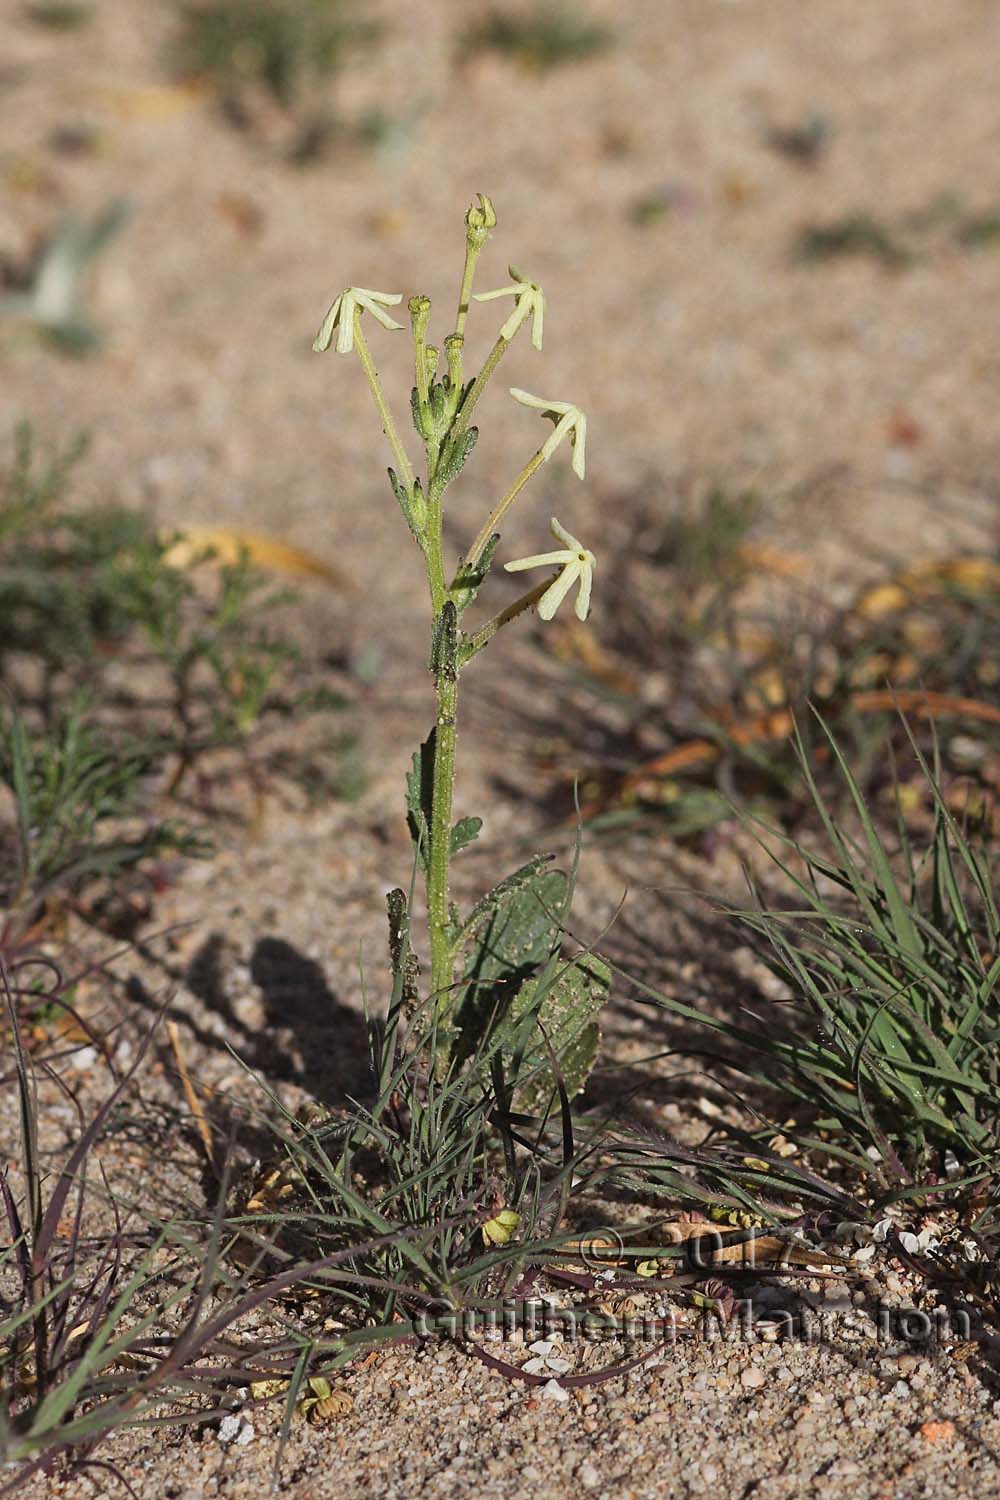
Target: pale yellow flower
341	316
575	562
530	304
569	422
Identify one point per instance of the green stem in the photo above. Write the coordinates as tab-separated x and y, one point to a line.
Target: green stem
479	385
435	558
496	515
420	312
465	295
388	425
438	901
482	637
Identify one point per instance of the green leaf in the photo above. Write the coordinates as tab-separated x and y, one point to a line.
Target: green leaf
444	643
453	459
419	417
439	408
420	798
469	577
402	959
413	506
515	938
567	1006
511	883
464	833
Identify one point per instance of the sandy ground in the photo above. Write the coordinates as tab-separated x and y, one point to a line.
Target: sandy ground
859	400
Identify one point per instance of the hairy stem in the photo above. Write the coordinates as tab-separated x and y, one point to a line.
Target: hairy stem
472	250
491	524
435	557
482	637
438	870
388	425
479	385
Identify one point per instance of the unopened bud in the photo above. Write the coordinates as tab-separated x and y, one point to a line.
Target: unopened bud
479	220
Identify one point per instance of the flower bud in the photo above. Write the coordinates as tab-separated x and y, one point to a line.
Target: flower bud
420	314
479	220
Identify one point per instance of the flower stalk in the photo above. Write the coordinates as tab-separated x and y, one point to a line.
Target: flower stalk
441	414
375	385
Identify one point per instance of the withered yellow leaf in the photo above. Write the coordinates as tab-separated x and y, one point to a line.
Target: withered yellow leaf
230	543
156	101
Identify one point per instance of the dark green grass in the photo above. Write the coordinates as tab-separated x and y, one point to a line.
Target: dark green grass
280	44
885	1047
542	37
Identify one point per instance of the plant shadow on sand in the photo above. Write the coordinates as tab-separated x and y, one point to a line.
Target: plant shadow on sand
308	1036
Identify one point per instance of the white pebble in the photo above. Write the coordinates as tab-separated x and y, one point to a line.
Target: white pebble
234	1428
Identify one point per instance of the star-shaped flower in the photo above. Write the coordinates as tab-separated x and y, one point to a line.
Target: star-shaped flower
341	316
575	562
569	419
530	303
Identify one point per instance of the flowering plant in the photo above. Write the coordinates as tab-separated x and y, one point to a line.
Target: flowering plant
500	987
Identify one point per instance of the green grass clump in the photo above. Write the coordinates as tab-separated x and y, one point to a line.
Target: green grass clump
703	545
59	15
859	234
543	37
281	44
79	809
888	948
980	231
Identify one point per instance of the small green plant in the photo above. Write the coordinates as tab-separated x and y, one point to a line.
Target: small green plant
542	37
130	662
496	970
702	546
73	791
859	234
932	227
279	43
282	51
